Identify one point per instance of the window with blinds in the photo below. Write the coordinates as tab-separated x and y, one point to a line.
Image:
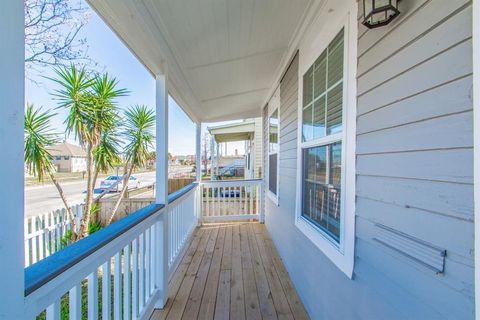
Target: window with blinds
273	131
322	124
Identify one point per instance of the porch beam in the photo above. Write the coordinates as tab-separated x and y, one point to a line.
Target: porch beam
161	190
11	140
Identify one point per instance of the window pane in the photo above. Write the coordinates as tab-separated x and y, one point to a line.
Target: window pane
308	87
324	78
273	130
307	123
320	75
272	173
334	109
335	60
319	118
321	197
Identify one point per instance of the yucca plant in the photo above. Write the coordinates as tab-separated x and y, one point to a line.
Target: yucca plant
140	137
92	112
38	138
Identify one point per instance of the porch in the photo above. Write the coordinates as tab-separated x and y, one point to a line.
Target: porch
231	270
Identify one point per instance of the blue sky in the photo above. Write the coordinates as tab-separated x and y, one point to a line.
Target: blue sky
115	58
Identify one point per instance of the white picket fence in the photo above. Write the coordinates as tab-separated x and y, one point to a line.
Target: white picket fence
44	232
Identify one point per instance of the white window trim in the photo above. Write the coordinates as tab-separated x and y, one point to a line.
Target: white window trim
341	254
273	106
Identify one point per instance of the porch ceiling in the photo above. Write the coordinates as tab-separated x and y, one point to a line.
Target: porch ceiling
222	55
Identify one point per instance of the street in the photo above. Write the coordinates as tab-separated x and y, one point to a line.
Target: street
42	199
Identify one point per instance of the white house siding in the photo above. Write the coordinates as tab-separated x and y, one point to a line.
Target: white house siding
414	173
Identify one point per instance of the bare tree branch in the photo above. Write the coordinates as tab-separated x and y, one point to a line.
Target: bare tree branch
52	29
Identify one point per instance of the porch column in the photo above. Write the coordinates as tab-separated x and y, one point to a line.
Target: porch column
212	151
476	147
11	142
198	150
161	189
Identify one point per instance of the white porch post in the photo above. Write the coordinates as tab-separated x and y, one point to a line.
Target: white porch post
198	150
212	151
11	140
162	186
476	147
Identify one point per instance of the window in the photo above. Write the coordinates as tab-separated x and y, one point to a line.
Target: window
321	147
273	131
66	158
58	158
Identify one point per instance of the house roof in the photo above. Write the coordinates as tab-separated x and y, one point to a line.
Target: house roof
67	149
238	131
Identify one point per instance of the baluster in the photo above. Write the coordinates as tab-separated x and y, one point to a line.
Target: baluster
250	193
117	286
141	281
26	243
106	289
152	258
93	295
257	199
75	302
34	243
240	200
147	264
135	278
126	282
53	311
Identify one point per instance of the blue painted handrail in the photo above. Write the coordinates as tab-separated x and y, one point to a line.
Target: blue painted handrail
179	193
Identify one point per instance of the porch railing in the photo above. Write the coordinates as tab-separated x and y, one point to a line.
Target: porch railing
114	273
227	200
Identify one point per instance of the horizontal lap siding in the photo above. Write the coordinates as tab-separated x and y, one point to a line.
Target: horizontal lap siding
415	155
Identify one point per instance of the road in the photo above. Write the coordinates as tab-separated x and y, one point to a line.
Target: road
43	199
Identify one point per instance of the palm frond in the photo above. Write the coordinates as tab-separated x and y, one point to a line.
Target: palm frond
38	137
139	134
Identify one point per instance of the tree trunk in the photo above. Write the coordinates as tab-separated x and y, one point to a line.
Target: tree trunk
71	217
89	199
120	197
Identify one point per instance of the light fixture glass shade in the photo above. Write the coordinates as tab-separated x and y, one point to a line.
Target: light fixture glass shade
379	12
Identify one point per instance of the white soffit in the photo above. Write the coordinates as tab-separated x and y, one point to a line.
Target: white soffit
222	55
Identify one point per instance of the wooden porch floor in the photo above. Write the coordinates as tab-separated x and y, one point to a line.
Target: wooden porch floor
231	271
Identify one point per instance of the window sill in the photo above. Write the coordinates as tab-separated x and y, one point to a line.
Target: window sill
273	197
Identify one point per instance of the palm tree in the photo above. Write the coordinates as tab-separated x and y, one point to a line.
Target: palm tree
140	137
92	111
38	137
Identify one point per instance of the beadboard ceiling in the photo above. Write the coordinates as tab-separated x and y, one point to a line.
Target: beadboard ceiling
222	55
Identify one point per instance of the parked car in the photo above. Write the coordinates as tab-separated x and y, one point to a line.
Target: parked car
110	181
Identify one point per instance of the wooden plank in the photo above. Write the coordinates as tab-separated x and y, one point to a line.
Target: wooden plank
222	305
207	307
227	250
193	306
294	301
279	299
252	305
237	299
181	298
267	308
178	276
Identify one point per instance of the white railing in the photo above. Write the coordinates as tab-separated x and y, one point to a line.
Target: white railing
129	260
231	200
182	220
44	233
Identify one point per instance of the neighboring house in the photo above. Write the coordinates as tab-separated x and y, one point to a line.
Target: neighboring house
68	157
250	131
370	140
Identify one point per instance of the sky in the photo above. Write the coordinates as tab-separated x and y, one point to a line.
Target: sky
115	58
